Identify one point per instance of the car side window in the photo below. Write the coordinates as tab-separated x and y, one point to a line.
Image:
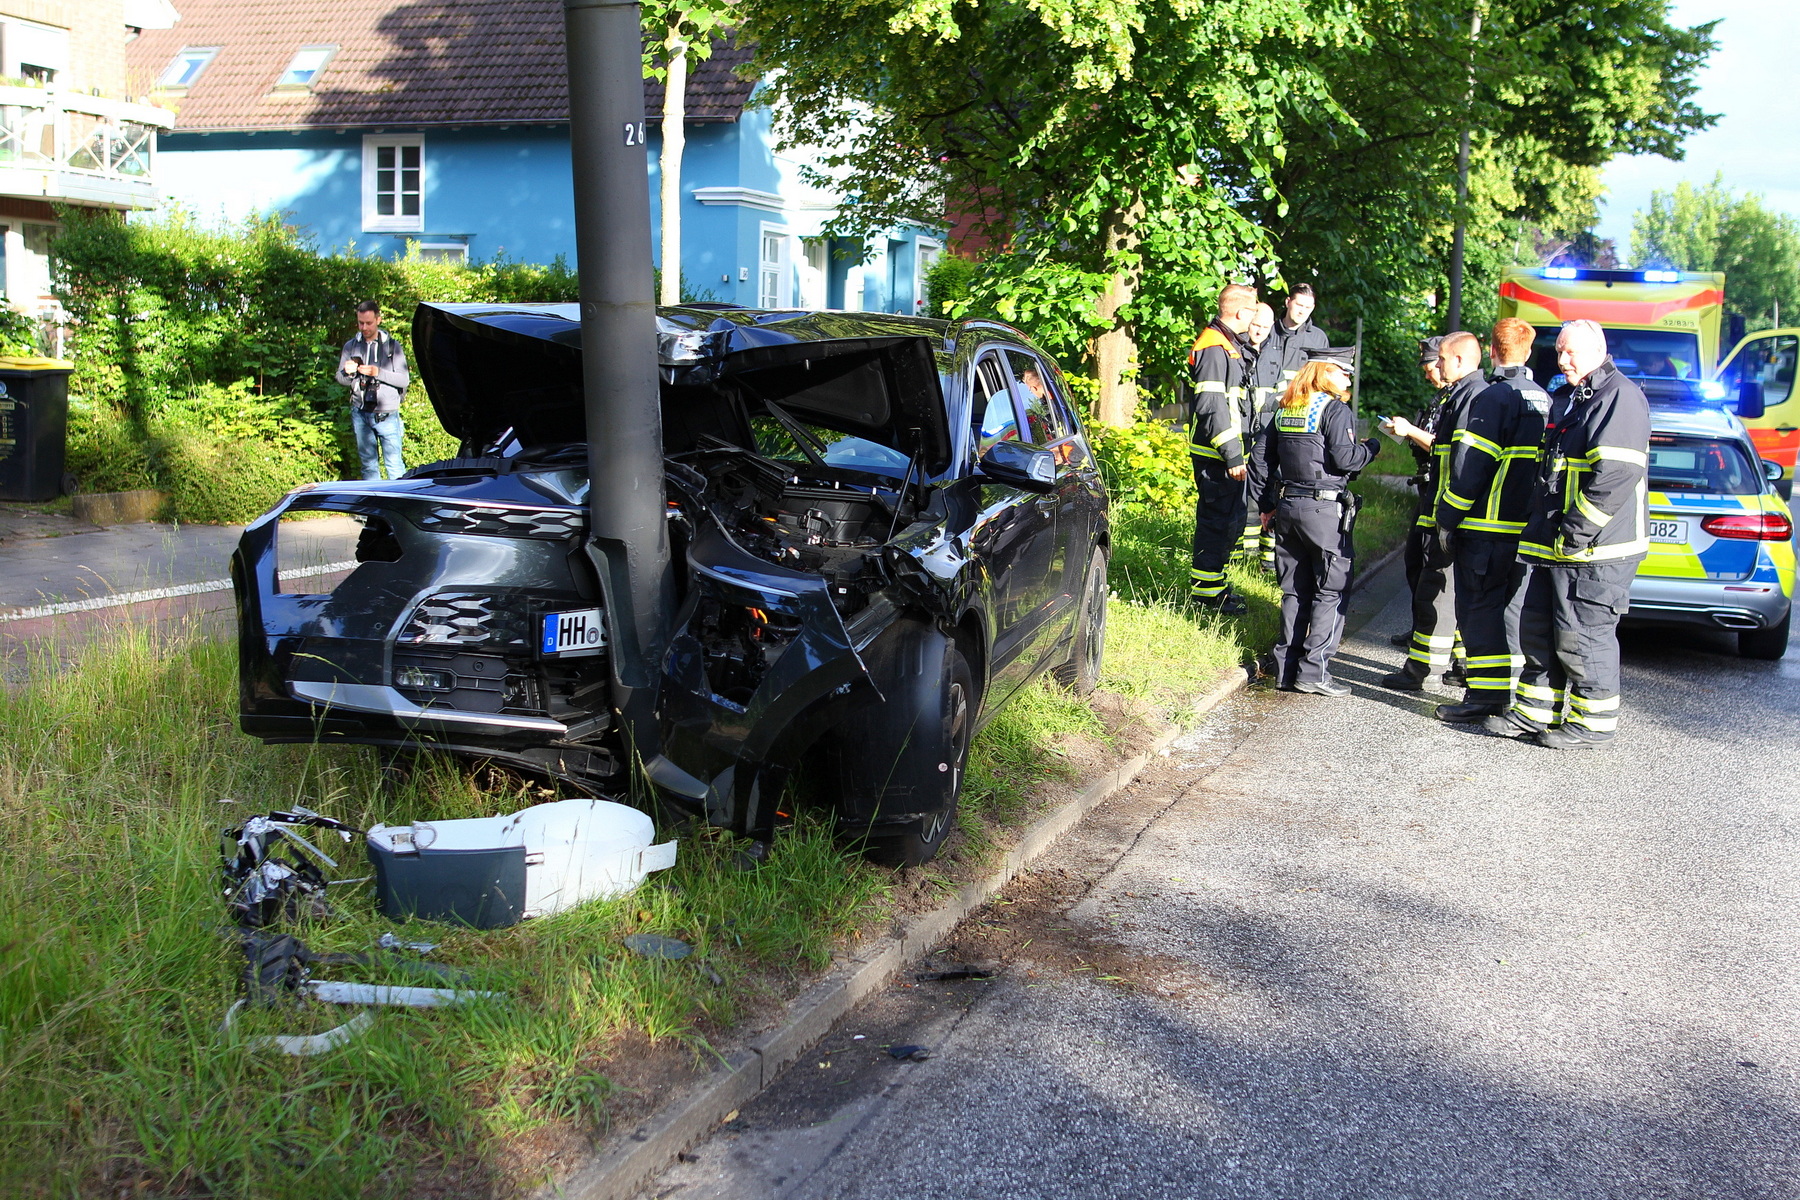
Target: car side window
993	402
1047	416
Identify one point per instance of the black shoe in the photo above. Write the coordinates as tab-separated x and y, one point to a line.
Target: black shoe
1402	681
1226	605
1401	640
1454	677
1561	737
1501	725
1466	714
1323	687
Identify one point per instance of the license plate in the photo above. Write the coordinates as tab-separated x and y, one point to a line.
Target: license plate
568	634
1669	531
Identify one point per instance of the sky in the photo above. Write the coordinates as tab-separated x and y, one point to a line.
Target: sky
1750	80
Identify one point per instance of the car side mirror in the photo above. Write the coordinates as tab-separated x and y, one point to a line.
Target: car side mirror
1750	400
1022	467
1772	470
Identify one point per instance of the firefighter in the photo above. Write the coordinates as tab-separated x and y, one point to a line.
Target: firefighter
1482	508
1263	386
1301	484
1296	332
1587	530
1215	442
1432	643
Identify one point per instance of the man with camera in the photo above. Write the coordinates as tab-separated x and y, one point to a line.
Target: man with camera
373	366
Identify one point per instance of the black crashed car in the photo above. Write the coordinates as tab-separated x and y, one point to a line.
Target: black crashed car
881	528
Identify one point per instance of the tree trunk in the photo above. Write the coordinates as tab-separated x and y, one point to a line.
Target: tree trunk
674	141
1115	349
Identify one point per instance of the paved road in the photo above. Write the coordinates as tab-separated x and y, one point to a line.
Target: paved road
1359	954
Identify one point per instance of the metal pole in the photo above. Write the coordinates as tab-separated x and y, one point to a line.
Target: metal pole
1356	375
1454	321
627	542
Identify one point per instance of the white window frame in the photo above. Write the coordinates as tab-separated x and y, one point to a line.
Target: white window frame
782	267
373	221
815	277
329	52
921	246
205	55
459	251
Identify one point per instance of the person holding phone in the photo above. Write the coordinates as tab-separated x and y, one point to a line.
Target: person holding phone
373	366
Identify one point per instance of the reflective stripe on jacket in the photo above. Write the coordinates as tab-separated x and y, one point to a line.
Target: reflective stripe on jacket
1217	364
1487	487
1591	500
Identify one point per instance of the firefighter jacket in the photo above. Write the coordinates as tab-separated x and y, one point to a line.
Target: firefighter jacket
1591	499
1311	446
1217	364
1263	386
1485	485
1294	344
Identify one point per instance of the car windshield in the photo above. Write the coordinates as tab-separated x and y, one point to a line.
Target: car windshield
1645	353
1697	464
841	449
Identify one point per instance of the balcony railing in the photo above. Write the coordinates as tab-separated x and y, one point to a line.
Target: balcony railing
59	145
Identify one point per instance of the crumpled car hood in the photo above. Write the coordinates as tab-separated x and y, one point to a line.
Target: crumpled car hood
489	368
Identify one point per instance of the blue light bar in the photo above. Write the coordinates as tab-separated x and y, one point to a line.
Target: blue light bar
1560	272
1712	389
1662	276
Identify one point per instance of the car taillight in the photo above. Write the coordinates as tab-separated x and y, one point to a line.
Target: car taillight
1750	527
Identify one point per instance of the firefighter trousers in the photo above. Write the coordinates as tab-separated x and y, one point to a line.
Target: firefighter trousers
1487	615
1218	523
1568	634
1312	565
1433	606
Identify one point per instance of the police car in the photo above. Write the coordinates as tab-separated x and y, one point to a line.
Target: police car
1721	538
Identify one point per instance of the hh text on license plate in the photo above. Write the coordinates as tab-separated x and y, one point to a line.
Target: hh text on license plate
1668	531
571	633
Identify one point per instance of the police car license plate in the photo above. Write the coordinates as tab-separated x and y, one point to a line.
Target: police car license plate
1669	531
571	634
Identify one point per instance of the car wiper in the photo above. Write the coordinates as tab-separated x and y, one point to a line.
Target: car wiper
809	445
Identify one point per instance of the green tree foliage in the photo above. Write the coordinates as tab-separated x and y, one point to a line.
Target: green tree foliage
204	357
1107	146
1715	229
1138	153
1559	89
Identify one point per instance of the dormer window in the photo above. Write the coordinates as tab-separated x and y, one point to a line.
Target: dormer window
305	69
187	66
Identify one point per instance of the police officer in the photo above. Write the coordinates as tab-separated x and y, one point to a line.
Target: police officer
1587	531
1482	507
1263	387
1433	640
1296	332
1302	477
1215	441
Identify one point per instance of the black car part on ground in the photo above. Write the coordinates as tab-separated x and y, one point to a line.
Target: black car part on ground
267	878
838	552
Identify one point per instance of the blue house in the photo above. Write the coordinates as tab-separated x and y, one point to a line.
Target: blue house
444	124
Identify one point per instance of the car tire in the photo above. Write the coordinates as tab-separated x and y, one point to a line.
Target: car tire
1080	673
917	841
1766	644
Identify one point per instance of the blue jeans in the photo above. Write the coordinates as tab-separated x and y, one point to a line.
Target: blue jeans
378	443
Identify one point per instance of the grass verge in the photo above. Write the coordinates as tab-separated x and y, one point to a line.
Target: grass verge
114	782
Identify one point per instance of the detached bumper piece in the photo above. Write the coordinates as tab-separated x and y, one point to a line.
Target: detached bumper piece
490	872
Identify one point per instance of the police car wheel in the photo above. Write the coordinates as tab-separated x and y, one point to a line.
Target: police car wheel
1766	644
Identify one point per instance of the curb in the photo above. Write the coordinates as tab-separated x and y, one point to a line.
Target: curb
620	1172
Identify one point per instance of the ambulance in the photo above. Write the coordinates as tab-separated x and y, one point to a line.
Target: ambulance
1668	324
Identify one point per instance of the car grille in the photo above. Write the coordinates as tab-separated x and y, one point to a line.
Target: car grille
467	619
501	522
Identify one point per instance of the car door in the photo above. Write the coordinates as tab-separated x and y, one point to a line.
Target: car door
1767	360
1014	533
1048	425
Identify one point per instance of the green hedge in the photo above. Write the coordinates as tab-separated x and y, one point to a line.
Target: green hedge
204	357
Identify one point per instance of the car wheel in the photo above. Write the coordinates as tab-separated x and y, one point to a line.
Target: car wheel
916	841
1767	644
1080	673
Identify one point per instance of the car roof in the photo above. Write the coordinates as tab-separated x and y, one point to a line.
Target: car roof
1696	421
